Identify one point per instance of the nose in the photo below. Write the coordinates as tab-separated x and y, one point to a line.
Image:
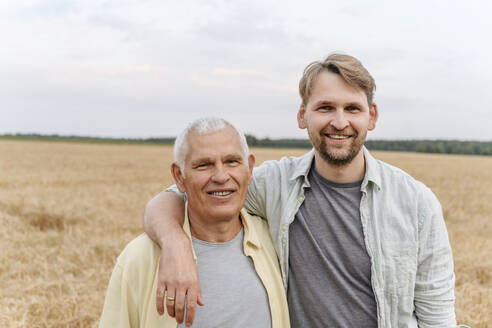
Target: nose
339	120
220	174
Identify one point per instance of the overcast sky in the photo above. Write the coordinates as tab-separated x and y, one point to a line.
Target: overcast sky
146	68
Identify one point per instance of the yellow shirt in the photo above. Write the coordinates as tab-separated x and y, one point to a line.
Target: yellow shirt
130	299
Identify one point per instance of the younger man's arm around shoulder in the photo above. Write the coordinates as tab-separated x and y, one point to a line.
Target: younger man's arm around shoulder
270	180
255	198
163	222
434	286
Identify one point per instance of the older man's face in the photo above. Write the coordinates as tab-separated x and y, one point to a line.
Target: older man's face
216	177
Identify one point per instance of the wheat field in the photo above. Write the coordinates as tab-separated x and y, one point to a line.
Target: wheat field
68	209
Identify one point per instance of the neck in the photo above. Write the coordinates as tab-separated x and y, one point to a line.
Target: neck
214	230
351	172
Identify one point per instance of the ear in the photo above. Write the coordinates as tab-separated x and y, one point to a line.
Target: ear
373	117
301	119
178	177
251	165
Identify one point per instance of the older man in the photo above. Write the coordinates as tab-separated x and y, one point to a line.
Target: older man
237	263
361	243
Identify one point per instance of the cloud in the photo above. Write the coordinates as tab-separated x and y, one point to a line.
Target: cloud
145	68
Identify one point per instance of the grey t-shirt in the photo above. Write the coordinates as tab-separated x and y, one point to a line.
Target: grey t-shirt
233	293
329	268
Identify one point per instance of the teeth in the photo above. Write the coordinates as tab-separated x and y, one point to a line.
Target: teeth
336	136
221	193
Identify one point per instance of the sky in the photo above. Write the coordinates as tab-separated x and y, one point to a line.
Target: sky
147	68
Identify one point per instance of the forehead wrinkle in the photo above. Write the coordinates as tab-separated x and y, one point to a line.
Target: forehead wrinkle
236	156
194	140
326	81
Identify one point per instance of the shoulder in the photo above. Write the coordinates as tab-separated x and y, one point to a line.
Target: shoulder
139	255
285	167
131	284
259	226
393	177
399	185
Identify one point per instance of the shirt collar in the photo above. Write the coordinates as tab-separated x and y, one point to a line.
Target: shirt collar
372	173
250	233
304	165
187	230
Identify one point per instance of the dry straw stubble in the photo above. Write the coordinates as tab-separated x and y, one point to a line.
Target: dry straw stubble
68	209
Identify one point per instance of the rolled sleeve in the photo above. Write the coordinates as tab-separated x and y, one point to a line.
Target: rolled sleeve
175	190
255	199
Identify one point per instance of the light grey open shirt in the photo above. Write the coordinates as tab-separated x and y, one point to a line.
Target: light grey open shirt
404	231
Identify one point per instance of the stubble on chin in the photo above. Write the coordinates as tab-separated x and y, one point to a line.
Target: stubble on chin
332	158
342	158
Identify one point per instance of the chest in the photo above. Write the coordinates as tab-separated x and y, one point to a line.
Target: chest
232	290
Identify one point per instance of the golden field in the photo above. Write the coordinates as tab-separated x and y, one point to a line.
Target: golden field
68	209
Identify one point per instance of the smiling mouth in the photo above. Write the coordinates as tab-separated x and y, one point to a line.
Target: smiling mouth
337	136
220	193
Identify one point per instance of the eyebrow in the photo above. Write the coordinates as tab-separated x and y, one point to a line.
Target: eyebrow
201	160
354	103
327	102
233	156
209	159
323	102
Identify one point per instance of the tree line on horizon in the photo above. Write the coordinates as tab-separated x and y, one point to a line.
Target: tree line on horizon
418	146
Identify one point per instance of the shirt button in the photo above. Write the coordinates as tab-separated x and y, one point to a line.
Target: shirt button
284	227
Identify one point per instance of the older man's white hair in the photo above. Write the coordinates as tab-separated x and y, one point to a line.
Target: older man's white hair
202	126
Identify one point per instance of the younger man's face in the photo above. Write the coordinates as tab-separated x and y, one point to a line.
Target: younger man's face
337	117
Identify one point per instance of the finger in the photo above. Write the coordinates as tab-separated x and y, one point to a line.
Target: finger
170	302
191	299
179	305
159	299
199	298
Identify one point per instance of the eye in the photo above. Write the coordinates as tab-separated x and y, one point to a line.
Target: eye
201	165
352	108
325	108
232	162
